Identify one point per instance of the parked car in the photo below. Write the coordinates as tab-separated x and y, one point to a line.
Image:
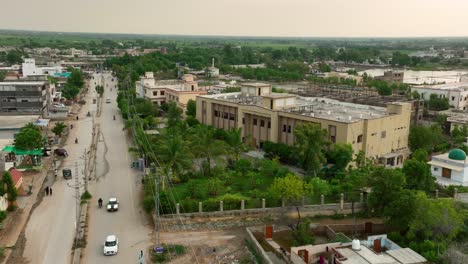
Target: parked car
67	174
108	101
111	245
113	205
61	152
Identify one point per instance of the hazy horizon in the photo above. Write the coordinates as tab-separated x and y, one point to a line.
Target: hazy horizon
244	18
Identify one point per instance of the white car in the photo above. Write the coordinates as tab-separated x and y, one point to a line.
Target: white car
108	101
111	245
113	205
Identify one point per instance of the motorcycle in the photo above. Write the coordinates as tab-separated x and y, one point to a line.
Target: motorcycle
100	202
76	140
114	117
71	126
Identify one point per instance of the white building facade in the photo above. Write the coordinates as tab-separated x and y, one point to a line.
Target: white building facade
456	93
450	168
29	68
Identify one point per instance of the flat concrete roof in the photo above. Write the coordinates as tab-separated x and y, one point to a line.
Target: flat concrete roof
21	83
406	256
255	84
447	86
318	107
364	255
16	122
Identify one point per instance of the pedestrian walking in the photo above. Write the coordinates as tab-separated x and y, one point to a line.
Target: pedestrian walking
50	190
47	190
140	257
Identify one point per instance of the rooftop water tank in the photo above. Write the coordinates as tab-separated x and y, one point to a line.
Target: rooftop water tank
356	245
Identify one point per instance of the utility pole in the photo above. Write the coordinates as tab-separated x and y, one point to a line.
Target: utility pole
156	202
76	186
85	173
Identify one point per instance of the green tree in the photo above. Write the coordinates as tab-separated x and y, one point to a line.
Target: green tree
2	76
459	134
340	155
323	67
415	95
437	103
302	235
234	141
310	143
14	57
422	137
144	107
401	212
387	185
204	145
291	188
59	128
76	78
29	138
191	108
418	173
100	90
174	115
437	220
174	153
8	187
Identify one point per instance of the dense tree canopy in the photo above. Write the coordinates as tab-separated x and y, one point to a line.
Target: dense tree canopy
29	138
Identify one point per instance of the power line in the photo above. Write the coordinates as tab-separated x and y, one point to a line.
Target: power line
154	157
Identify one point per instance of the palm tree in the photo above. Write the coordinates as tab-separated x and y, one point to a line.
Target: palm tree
234	140
310	143
174	154
205	145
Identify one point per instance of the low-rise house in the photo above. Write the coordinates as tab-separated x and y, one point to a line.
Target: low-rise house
456	93
391	76
375	250
450	168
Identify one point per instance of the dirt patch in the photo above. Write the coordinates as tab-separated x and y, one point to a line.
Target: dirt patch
223	247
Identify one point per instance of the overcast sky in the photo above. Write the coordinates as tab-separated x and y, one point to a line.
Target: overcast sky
302	18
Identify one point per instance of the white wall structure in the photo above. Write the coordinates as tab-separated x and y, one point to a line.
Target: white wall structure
29	68
456	93
450	168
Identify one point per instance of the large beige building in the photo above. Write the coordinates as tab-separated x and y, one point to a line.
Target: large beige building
382	133
161	91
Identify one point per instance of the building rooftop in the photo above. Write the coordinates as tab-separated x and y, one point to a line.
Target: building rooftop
16	122
317	107
459	86
22	83
256	84
406	256
363	256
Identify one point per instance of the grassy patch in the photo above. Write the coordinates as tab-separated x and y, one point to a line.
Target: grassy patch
170	252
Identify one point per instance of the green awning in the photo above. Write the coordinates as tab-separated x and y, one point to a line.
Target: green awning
8	149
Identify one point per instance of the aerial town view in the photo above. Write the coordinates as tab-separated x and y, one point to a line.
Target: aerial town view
234	132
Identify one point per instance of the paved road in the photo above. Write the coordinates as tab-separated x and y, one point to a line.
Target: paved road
115	178
51	228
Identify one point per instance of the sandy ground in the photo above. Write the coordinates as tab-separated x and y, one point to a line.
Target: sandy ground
215	246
